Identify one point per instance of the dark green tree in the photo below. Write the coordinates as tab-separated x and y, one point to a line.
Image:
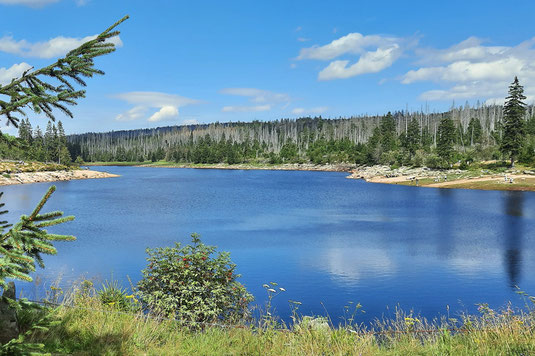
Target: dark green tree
413	137
474	131
513	128
446	138
388	133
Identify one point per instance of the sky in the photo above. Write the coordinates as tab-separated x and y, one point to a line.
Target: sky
187	62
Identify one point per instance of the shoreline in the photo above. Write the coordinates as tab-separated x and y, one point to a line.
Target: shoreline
51	176
277	167
483	179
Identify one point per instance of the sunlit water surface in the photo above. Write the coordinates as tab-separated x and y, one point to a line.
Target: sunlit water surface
326	239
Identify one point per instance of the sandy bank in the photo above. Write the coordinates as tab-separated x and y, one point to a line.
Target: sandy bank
452	178
51	176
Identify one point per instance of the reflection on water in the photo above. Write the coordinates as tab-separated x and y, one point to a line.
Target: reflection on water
513	236
327	240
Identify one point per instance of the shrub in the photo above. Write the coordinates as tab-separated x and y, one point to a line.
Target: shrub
192	285
111	294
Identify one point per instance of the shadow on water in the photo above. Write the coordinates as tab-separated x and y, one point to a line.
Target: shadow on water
513	230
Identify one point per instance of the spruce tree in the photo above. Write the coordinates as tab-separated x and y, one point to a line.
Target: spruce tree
474	132
413	137
22	245
388	133
446	138
513	128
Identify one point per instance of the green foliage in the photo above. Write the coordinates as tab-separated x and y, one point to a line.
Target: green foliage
192	284
21	247
388	133
514	125
412	140
115	296
32	319
446	139
32	92
474	132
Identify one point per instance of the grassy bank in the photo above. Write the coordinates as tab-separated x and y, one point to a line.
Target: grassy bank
86	326
8	167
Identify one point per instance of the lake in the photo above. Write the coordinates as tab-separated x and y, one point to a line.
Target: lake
326	239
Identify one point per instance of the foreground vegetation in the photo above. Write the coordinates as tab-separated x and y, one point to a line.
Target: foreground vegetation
85	325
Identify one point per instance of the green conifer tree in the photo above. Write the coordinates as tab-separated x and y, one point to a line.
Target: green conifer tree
513	128
474	131
413	137
22	245
446	138
388	133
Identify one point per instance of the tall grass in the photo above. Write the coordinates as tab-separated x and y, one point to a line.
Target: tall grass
90	326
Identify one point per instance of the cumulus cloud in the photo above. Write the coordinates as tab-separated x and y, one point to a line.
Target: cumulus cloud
369	62
470	69
30	3
263	99
15	71
303	111
375	53
167	105
55	47
164	113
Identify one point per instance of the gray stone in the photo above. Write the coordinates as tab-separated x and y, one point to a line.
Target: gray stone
9	328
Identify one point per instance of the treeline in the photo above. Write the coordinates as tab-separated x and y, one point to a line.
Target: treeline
462	134
32	144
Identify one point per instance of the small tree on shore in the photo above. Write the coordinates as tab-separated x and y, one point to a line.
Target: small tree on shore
513	128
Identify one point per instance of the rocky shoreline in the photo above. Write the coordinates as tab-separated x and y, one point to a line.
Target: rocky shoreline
380	173
51	176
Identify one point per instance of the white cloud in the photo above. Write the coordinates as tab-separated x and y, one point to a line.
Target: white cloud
30	3
375	53
472	70
353	43
316	110
133	114
55	47
165	113
246	108
15	71
167	105
303	39
369	62
264	99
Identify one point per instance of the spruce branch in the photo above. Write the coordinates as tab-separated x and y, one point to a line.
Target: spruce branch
21	247
30	91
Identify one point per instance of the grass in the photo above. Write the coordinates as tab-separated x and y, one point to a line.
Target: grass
7	167
88	327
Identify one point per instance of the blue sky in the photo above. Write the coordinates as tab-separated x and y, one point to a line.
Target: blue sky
183	62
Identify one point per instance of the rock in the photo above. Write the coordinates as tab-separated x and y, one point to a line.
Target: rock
8	317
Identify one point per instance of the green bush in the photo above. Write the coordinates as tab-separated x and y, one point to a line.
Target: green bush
434	161
192	285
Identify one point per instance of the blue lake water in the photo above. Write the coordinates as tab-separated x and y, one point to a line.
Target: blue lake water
326	239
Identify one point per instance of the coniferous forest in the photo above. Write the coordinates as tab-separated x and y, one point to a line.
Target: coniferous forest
465	134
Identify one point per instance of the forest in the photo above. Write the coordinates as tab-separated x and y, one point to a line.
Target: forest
461	135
